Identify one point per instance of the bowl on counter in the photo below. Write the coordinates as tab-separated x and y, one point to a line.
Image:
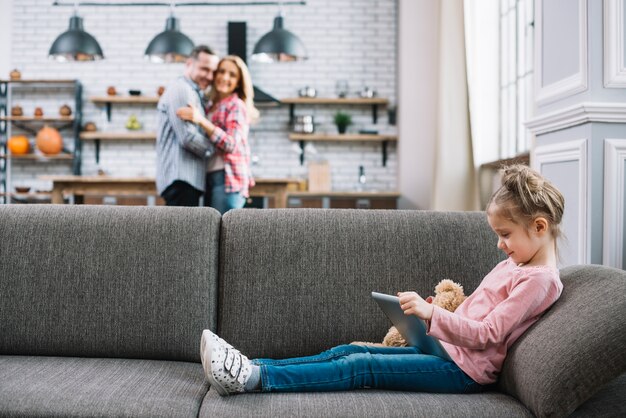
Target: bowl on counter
134	92
22	189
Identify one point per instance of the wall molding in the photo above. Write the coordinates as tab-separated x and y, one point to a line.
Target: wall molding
577	115
576	83
613	228
614	66
575	150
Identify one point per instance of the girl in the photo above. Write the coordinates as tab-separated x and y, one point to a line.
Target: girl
232	109
525	213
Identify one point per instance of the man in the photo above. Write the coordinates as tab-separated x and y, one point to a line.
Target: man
181	147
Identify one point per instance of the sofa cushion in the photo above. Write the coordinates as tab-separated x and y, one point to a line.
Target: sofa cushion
297	282
363	403
576	348
100	281
610	401
87	387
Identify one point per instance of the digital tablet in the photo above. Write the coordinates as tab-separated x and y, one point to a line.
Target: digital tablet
410	327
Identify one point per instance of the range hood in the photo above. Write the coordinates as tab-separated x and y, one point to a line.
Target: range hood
237	38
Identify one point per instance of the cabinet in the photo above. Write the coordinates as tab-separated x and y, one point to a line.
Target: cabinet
373	102
44	91
108	102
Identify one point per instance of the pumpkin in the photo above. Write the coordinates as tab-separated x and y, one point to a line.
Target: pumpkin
49	140
18	145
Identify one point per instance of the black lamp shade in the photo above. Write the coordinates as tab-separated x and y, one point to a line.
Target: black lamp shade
75	44
171	45
279	45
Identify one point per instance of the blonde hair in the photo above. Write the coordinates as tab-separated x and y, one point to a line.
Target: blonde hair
525	195
244	88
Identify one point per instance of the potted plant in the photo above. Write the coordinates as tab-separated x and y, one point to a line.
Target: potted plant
342	120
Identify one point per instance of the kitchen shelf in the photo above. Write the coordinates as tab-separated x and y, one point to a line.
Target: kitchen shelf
117	136
63	119
109	100
28	197
38	81
28	194
40	157
47	88
355	101
124	99
342	137
25	122
336	100
384	139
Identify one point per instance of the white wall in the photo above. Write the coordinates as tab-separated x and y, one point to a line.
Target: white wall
346	39
418	33
6	7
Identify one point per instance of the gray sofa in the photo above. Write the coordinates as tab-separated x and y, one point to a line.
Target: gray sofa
101	311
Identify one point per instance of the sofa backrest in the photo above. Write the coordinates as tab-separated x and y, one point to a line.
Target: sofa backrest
296	282
99	281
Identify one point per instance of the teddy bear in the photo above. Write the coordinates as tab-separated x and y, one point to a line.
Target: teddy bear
448	295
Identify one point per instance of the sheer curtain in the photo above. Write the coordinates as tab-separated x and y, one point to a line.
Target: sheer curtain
454	185
482	40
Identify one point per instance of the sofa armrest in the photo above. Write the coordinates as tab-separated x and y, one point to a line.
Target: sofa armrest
576	348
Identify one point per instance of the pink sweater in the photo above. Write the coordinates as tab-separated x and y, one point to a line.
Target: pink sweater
508	301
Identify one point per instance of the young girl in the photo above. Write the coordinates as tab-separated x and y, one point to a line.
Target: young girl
228	169
525	213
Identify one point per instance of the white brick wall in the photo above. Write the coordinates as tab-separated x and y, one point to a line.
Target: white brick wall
346	39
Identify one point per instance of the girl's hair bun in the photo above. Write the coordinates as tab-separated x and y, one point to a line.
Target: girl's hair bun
528	193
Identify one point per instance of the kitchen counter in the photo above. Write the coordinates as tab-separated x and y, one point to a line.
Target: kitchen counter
79	186
366	199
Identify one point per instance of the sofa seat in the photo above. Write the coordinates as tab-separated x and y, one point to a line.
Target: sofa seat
38	386
363	403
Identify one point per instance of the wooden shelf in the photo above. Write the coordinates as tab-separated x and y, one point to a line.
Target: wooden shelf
118	136
40	157
342	137
125	99
336	100
35	81
363	194
28	194
37	119
384	139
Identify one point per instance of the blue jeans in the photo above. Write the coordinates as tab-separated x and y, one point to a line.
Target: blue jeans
216	195
347	367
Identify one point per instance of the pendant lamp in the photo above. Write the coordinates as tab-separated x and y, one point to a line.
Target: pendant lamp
75	44
279	45
171	45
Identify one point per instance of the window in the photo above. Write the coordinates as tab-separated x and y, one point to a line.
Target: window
516	75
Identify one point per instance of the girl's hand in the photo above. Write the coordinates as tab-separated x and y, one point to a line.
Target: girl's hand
413	304
190	113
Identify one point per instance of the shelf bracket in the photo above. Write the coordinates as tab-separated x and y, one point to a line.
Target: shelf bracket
384	144
97	145
3	123
108	106
374	114
292	113
301	152
25	128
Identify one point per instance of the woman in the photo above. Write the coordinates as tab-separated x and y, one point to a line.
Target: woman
232	109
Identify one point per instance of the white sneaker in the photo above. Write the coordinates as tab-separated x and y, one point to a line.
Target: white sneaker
225	367
207	335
